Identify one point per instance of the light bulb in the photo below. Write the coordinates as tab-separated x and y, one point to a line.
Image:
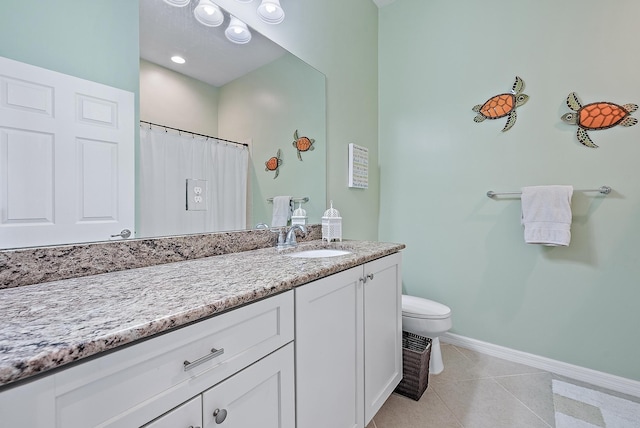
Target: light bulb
271	12
208	14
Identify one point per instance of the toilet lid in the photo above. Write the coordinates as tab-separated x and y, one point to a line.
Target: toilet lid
417	307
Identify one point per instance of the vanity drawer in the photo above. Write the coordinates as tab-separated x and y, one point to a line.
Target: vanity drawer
134	385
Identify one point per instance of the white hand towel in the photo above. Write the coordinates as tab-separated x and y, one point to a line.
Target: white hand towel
281	211
546	215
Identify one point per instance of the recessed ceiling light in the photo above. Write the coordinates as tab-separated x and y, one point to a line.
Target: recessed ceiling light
178	59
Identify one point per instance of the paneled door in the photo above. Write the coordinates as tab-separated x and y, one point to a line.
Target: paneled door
66	158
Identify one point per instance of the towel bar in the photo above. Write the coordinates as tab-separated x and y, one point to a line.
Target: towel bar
605	190
303	199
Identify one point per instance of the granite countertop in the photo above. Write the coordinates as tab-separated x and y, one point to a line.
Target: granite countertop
49	325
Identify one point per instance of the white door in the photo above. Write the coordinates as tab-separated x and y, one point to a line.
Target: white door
66	158
262	395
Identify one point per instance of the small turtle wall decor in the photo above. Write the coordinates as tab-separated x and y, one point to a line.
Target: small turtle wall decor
503	105
596	116
302	144
273	164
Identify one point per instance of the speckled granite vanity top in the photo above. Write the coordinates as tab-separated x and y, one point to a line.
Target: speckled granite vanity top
45	326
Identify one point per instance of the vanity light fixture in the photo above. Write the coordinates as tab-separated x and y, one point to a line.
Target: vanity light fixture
271	12
177	3
208	14
237	31
178	59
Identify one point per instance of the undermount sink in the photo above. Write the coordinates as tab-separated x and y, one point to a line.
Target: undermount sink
319	253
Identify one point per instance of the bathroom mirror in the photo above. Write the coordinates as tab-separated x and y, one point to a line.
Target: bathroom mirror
255	93
263	108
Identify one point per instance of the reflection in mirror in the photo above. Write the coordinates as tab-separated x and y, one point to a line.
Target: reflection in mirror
278	95
257	94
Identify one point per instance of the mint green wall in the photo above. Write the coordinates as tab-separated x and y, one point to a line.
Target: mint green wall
95	40
178	101
440	58
338	38
266	107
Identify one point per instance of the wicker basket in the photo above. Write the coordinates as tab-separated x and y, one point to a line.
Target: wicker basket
416	351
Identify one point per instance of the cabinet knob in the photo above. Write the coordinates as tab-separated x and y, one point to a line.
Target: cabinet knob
219	415
364	280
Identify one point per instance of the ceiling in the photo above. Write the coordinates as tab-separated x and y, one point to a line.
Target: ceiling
167	30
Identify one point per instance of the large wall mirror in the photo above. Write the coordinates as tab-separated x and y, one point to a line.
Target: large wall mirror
257	94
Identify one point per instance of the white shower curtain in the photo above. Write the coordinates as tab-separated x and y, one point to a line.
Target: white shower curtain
167	159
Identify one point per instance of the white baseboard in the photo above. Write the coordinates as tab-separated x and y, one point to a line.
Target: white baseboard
603	380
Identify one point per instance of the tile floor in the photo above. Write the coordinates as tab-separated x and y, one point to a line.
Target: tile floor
475	391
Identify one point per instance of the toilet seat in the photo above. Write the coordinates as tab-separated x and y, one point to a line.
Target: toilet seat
417	307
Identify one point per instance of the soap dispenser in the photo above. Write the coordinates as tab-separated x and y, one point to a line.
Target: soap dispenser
331	224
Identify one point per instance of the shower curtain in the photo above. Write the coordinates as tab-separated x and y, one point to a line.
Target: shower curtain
167	159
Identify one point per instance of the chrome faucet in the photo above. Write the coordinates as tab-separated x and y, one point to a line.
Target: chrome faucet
291	234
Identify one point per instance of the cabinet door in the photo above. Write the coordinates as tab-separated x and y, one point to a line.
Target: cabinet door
382	331
329	352
188	415
262	395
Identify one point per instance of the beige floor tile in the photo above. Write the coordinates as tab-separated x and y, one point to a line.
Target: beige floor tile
457	366
484	403
480	391
490	366
533	390
403	412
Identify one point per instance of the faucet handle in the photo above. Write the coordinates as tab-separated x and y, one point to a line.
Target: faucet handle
281	238
291	237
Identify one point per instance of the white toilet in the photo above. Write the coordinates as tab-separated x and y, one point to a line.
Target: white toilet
430	319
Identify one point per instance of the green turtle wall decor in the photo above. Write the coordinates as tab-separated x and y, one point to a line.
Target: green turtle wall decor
503	105
596	116
273	164
302	144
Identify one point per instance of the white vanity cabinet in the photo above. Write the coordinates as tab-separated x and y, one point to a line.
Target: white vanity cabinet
262	395
181	370
186	415
348	344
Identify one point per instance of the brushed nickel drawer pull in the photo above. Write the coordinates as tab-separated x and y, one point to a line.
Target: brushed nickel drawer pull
214	353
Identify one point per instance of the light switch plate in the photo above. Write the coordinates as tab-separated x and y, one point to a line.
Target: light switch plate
196	195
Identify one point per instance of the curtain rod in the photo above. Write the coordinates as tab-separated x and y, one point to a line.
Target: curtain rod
192	133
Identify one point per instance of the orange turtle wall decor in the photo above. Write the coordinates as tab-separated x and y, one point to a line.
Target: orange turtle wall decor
273	164
596	116
302	144
503	105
